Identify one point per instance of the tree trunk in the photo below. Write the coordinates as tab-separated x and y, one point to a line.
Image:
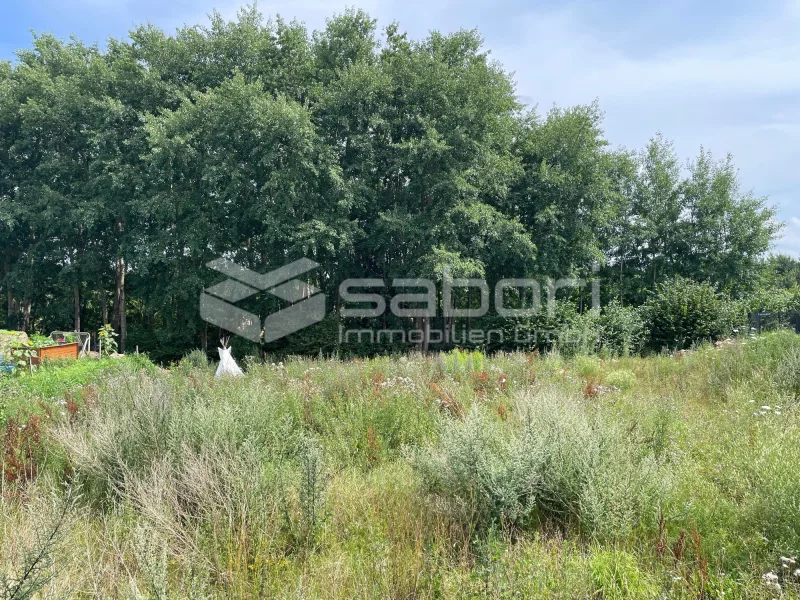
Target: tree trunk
76	294
103	306
120	319
423	324
449	330
26	315
9	295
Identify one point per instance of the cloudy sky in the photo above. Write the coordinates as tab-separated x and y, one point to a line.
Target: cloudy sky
725	75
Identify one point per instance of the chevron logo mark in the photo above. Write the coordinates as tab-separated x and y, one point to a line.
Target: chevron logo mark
217	302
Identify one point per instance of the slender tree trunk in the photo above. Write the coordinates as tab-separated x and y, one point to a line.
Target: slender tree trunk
423	324
9	294
449	329
76	291
26	315
120	318
103	306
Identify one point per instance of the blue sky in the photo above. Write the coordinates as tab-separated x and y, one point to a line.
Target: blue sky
725	75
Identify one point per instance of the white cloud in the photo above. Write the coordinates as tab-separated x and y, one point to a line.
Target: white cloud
567	61
737	90
790	244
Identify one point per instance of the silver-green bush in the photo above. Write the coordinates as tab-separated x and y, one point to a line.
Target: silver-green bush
557	461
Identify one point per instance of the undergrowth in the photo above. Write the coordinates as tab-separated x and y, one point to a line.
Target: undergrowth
470	476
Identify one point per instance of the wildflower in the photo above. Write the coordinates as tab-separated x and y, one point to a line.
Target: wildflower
771	581
765	407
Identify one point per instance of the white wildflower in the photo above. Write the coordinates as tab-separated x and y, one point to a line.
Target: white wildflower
771	581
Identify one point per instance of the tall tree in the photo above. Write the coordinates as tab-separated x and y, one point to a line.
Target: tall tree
570	190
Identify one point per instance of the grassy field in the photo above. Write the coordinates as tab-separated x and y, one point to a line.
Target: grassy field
446	476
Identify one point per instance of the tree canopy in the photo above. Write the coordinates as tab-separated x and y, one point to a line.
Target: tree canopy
123	171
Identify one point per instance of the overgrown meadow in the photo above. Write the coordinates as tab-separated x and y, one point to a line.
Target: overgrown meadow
445	476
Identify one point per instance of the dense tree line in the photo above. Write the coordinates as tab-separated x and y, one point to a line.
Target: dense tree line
123	171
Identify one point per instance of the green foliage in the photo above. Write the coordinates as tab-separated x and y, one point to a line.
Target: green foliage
616	576
195	360
324	476
774	299
312	484
490	477
787	375
126	169
54	378
107	338
579	333
682	312
782	272
624	329
459	361
21	359
37	340
688	226
555	464
623	379
37	565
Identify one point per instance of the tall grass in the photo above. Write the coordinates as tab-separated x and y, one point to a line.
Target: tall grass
516	475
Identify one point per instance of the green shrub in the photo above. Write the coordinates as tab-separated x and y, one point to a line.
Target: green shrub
557	462
588	367
616	576
461	361
578	333
771	299
139	420
623	329
623	379
787	375
593	473
196	359
489	476
682	312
